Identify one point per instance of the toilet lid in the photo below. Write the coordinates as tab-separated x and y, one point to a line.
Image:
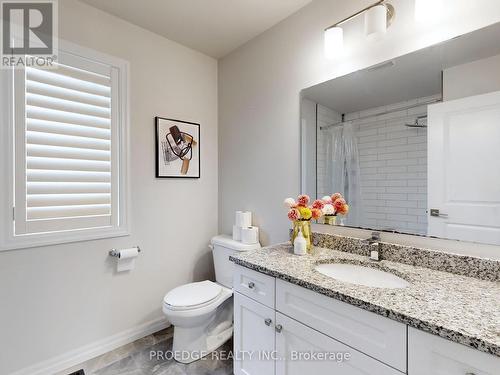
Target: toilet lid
193	294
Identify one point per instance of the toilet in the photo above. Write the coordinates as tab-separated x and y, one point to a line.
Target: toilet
202	312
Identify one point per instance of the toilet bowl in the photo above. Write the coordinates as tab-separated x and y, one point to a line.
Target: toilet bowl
202	312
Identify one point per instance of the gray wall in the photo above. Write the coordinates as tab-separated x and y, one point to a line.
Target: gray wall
60	298
477	77
259	105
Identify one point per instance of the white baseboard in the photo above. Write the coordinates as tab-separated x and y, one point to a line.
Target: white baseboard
77	356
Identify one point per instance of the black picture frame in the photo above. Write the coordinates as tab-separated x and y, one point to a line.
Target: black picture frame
182	125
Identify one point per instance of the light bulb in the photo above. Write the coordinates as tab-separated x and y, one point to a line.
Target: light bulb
334	42
376	21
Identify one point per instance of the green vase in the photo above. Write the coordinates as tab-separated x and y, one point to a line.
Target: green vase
330	220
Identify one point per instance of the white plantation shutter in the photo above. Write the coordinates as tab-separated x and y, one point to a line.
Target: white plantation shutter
69	137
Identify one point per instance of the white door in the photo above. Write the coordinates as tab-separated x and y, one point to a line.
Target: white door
253	337
306	351
464	168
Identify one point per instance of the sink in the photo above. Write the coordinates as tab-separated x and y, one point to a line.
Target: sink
361	275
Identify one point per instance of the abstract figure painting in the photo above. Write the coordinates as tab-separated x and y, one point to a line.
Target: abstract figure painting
177	148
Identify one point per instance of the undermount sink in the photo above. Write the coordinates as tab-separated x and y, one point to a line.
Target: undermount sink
361	275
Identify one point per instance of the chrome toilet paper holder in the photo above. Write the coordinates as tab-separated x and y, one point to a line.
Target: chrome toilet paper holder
116	253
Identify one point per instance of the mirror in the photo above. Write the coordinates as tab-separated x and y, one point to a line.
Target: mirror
413	144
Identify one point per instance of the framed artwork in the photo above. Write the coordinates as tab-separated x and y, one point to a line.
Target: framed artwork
177	148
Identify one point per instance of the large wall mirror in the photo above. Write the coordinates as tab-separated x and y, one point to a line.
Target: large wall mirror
413	143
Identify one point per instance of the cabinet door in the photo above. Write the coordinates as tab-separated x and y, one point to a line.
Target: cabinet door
254	337
296	344
370	333
432	355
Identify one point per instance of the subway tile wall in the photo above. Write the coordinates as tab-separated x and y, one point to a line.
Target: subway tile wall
393	164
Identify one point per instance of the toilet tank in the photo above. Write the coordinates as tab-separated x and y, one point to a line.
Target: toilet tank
222	247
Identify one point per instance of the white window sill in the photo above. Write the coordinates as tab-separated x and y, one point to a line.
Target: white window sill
58	238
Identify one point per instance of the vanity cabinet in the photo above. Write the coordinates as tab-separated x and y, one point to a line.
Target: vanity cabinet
432	355
280	340
279	336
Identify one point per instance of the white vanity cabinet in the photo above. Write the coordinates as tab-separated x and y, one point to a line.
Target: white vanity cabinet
270	341
279	336
432	355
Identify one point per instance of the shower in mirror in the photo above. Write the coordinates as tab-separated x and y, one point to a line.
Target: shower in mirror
412	143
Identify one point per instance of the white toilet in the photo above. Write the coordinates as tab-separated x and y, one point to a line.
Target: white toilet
202	312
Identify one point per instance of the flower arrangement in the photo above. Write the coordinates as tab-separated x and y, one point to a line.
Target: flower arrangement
299	210
332	206
301	214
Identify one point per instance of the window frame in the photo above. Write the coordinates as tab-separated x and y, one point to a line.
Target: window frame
9	240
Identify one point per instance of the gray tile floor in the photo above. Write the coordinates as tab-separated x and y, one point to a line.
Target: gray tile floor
135	359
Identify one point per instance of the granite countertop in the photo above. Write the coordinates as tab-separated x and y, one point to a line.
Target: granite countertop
459	308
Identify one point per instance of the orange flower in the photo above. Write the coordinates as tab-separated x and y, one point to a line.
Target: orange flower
316	213
343	210
339	203
336	196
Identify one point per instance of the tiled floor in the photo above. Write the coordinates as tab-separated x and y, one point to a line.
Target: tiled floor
134	359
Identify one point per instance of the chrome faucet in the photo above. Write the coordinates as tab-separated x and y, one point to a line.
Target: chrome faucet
374	246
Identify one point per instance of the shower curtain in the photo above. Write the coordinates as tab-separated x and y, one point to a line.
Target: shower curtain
342	168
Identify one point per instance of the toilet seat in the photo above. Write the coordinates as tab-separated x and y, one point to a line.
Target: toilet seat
192	296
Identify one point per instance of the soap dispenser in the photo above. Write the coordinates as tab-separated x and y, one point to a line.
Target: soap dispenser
300	244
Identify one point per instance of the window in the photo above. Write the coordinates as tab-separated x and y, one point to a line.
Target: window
67	142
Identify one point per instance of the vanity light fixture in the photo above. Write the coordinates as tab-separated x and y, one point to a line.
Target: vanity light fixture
378	16
334	41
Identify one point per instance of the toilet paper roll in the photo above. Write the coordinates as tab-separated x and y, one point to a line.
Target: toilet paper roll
126	259
250	235
236	233
128	253
243	219
238	218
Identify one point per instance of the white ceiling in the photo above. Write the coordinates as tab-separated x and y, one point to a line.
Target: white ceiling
411	76
214	27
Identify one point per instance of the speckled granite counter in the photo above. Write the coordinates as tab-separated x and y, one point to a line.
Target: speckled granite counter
459	308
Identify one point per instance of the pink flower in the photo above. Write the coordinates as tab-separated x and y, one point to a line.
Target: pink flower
328	209
303	200
336	196
293	214
318	204
289	202
327	199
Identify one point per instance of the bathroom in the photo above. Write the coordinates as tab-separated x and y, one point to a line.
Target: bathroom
246	84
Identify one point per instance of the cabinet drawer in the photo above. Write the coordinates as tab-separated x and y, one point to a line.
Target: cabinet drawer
297	344
255	285
432	355
379	337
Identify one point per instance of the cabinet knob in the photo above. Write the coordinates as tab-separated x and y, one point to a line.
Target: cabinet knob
251	285
469	373
268	322
278	328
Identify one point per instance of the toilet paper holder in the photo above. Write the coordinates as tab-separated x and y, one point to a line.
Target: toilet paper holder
116	253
